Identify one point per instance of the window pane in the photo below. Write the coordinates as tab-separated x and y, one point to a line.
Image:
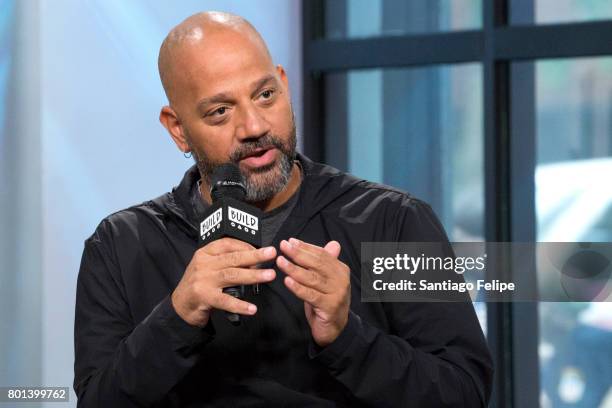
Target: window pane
560	11
372	18
574	203
418	129
557	11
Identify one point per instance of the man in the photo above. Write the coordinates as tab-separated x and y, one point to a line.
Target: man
150	325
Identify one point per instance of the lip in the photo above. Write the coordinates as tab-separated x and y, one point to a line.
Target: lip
264	159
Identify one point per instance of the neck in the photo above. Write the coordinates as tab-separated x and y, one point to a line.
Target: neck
275	201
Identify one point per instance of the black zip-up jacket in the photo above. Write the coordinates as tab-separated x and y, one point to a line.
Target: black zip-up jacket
132	349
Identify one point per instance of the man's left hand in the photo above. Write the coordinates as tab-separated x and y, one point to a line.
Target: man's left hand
322	281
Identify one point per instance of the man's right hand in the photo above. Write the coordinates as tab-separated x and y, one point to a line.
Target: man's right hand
222	263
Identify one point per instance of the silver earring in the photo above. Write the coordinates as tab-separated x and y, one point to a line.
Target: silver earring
187	155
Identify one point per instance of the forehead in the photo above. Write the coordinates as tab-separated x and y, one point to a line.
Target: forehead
220	62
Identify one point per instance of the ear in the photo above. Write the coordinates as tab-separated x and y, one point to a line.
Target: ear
283	77
171	122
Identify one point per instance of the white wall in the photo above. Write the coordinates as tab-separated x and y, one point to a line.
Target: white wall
95	143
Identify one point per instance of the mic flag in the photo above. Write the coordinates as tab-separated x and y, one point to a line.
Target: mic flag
229	215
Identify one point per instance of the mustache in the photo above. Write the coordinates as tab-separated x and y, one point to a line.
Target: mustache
249	148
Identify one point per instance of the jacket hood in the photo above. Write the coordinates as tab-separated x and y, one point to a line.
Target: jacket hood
321	185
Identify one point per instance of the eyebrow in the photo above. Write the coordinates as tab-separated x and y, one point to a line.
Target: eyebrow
223	96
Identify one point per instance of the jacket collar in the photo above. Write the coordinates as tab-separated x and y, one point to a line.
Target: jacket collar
321	185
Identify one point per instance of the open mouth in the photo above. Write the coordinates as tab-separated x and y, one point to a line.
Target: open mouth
260	157
258	152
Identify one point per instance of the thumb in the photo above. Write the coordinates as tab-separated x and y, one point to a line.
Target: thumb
333	248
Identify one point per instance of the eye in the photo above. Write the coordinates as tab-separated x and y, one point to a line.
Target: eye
267	94
219	111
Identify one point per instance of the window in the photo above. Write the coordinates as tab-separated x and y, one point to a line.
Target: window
568	11
383	82
372	18
418	129
574	162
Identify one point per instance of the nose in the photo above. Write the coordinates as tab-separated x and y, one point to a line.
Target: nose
252	125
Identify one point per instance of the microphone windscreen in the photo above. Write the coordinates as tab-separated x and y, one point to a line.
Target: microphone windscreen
227	181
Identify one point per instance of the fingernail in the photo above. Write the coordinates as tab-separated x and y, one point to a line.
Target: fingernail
269	274
288	244
252	309
289	281
268	251
282	261
294	241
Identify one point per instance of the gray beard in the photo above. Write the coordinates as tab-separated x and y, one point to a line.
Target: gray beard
271	183
263	183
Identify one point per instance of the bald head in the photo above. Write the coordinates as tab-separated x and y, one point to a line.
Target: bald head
205	31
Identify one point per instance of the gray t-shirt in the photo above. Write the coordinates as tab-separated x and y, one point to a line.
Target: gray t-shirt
270	223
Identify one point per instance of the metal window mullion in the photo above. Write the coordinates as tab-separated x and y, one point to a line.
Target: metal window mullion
528	42
526	376
497	198
387	52
313	101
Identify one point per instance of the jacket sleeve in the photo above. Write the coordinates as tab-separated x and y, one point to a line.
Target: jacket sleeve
435	354
118	362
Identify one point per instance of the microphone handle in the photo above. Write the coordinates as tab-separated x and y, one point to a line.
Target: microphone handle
235	291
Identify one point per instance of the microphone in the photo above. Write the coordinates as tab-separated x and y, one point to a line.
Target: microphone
230	216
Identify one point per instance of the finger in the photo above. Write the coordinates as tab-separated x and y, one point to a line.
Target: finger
245	258
243	276
306	277
231	304
306	259
333	248
306	246
226	245
305	293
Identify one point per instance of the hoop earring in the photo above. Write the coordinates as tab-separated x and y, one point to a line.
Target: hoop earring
187	155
